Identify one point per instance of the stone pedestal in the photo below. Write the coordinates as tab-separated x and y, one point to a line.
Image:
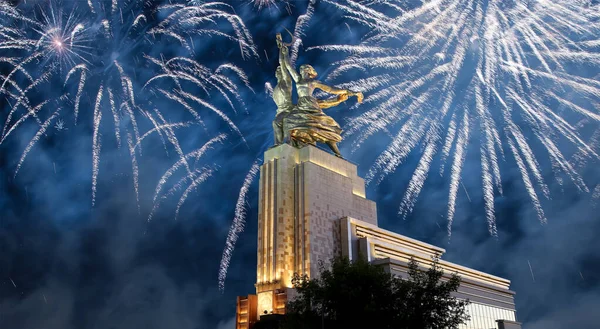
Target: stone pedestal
303	193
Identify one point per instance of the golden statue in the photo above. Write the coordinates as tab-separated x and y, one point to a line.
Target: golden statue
306	123
282	95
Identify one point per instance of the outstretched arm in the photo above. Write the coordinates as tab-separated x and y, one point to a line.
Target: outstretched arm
331	102
329	89
338	91
286	64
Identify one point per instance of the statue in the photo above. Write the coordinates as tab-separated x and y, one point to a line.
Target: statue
282	95
306	123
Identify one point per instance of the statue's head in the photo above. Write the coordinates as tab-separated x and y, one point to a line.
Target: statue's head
279	73
307	71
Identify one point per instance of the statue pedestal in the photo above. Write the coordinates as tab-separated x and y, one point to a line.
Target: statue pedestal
302	195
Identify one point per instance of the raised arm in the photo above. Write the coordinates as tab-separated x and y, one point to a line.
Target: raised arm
284	71
287	65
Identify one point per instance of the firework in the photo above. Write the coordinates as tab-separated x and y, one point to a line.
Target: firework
237	227
35	138
107	55
505	77
195	176
261	4
301	24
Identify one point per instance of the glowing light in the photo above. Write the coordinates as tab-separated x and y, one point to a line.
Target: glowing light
58	43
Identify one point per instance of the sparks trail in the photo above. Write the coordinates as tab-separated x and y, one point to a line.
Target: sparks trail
34	140
94	48
198	178
531	270
193	177
521	89
465	189
270	4
301	24
237	227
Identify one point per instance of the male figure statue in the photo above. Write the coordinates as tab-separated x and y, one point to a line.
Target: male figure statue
282	94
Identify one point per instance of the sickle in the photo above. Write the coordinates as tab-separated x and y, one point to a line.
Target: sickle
293	38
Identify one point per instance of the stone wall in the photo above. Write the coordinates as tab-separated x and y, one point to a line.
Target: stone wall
302	195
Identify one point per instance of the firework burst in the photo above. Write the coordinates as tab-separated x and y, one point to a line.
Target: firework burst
108	56
510	78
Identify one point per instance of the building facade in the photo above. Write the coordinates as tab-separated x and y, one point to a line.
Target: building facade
312	207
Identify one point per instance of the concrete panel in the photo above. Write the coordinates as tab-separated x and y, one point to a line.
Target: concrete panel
506	324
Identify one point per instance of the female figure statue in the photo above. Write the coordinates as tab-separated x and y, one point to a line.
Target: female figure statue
306	123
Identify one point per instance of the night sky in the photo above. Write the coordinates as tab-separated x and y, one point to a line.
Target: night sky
65	264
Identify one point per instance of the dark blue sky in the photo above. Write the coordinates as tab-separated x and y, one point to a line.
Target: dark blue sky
64	264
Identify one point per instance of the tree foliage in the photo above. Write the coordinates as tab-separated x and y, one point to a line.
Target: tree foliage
359	295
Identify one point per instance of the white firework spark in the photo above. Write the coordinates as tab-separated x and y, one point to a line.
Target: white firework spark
159	128
60	125
192	175
96	144
237	227
34	140
301	24
198	179
71	43
447	74
261	4
134	168
531	270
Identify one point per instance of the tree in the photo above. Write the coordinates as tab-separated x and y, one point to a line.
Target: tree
359	295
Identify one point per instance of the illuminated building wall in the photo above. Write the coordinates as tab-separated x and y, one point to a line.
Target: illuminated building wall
490	296
302	195
312	207
245	312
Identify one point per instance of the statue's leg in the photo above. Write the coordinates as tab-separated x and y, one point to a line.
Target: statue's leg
334	148
285	130
278	131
